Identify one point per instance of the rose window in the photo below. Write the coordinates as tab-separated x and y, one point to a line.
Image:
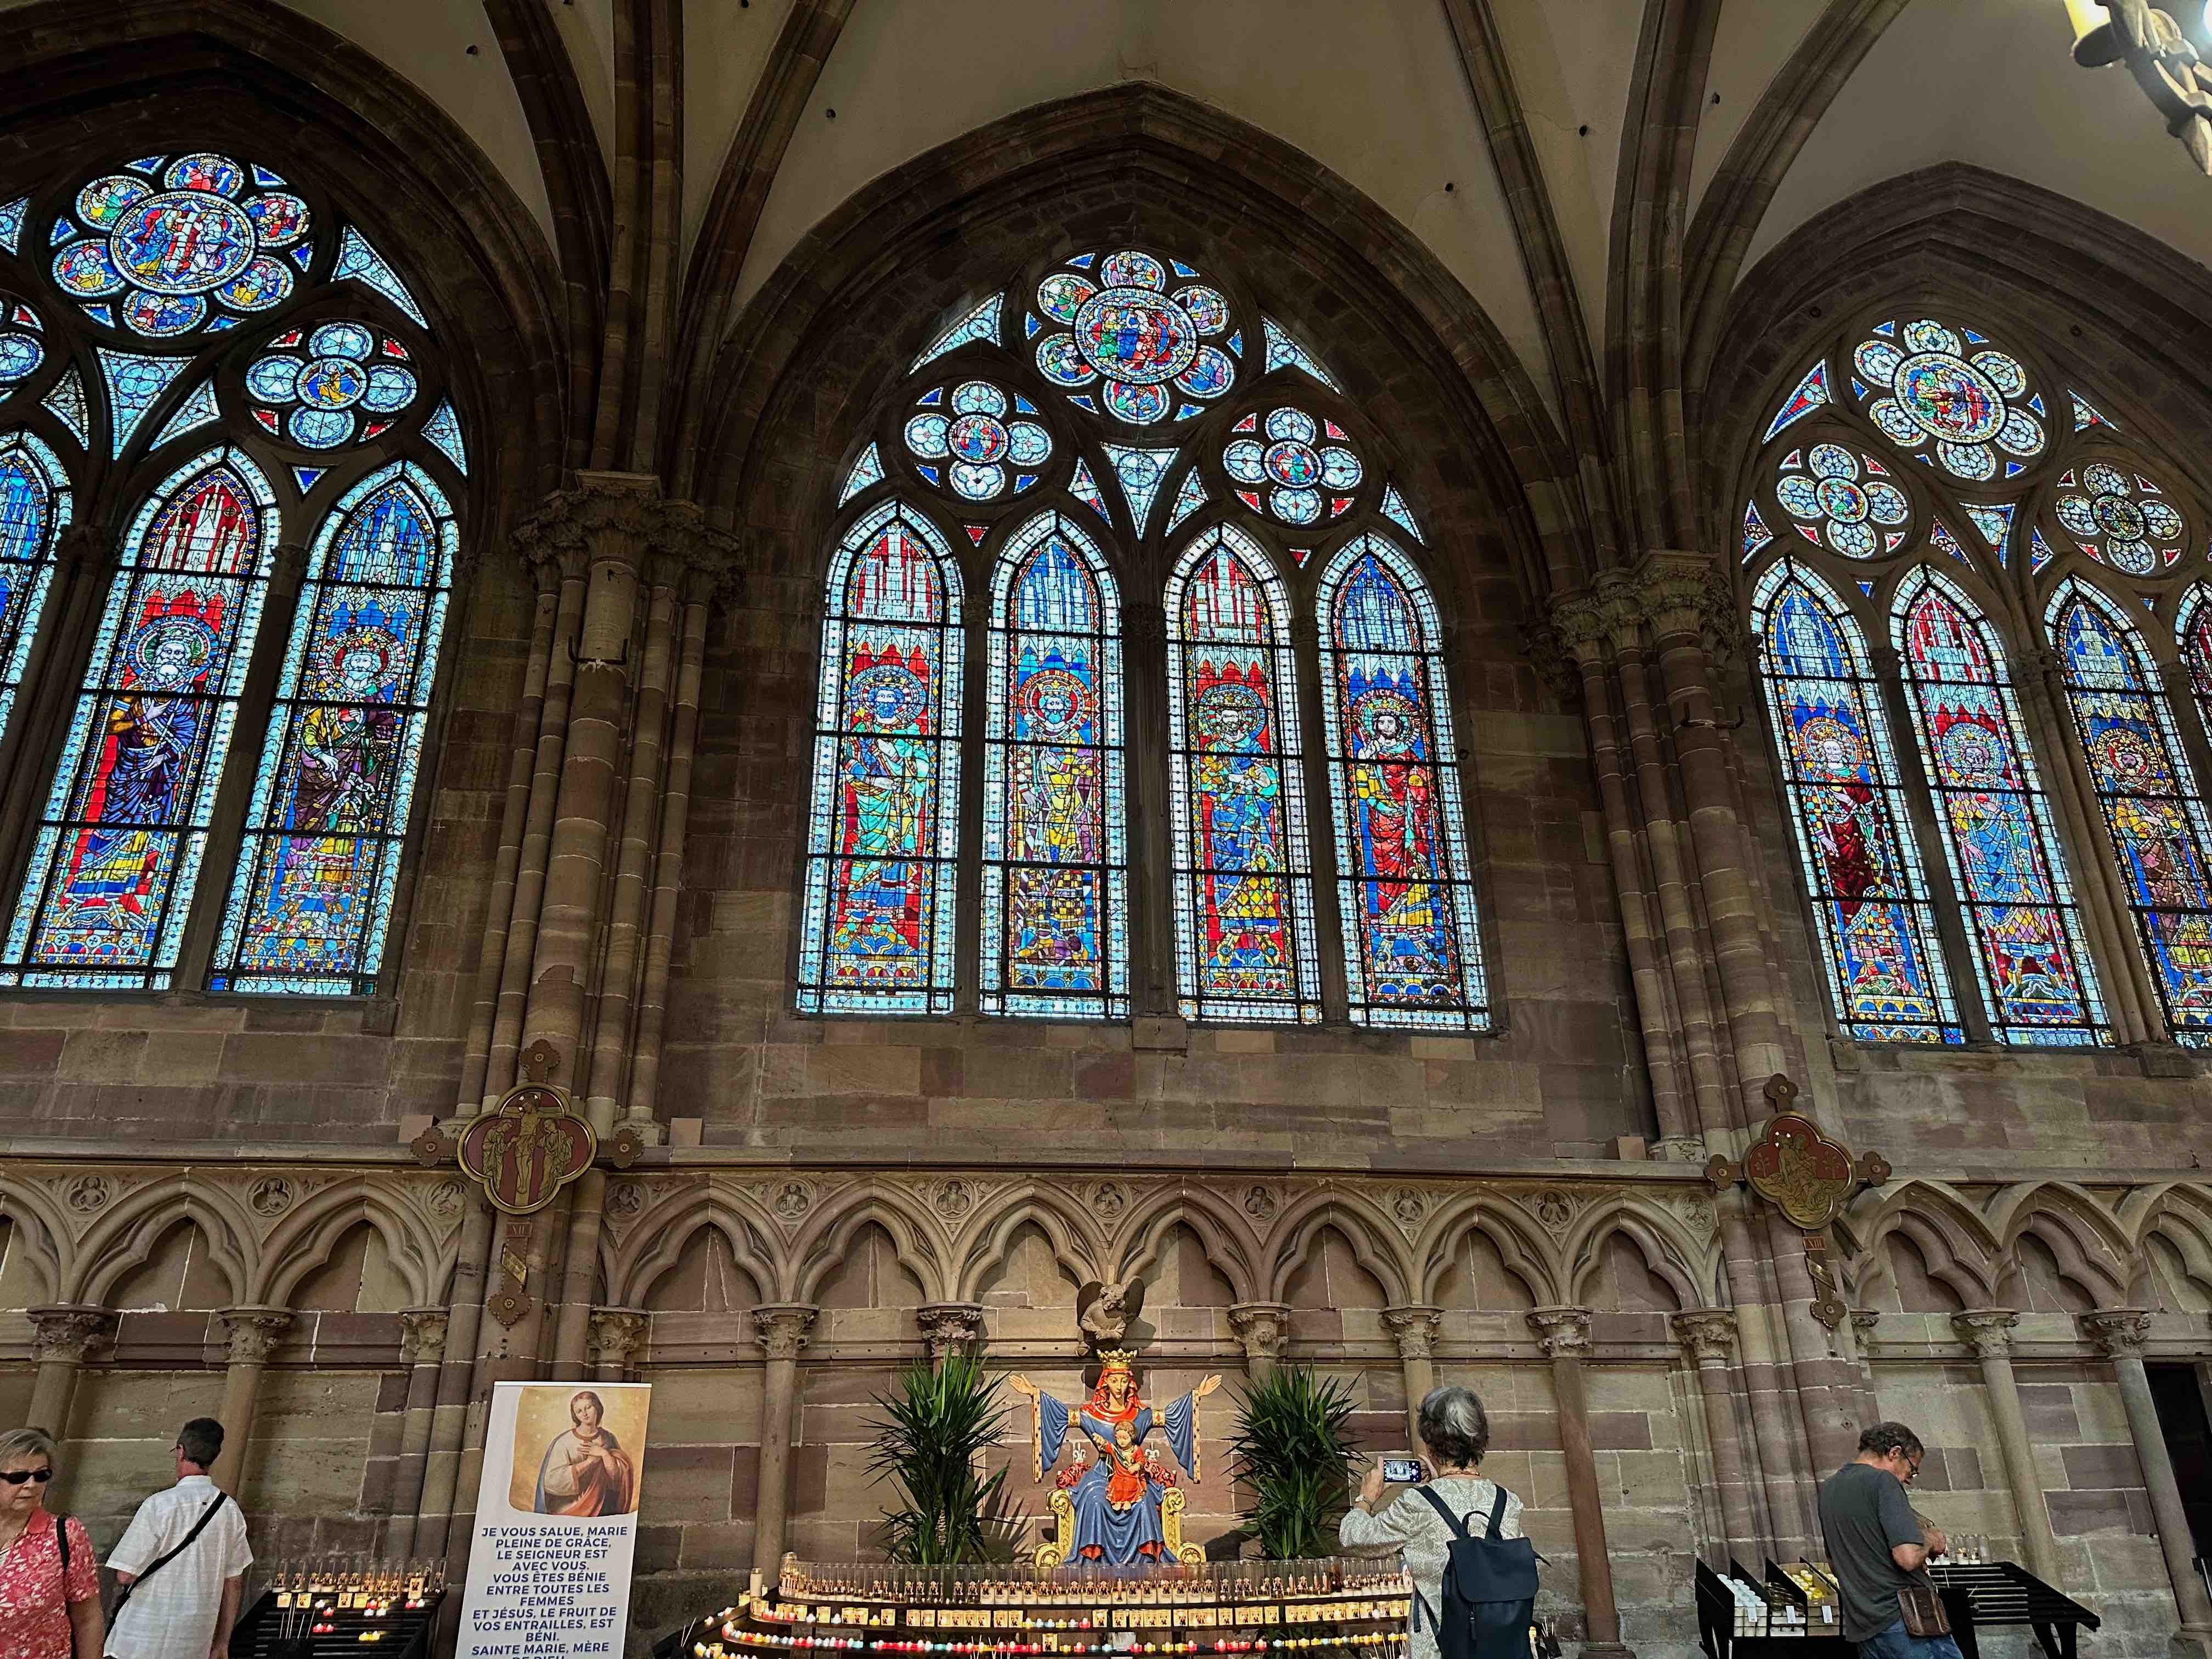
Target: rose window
973	442
1141	344
1844	500
2121	522
163	250
319	387
21	353
1301	467
1962	398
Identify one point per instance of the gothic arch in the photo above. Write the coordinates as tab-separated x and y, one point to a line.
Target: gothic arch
829	1231
305	1236
2179	1213
661	1235
1955	1239
982	1242
1688	1272
1521	1246
2091	1247
33	1213
830	329
1143	1235
1373	1241
124	1237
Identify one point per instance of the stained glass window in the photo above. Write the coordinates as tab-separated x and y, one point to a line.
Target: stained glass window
1862	873
34	508
1842	500
311	895
881	872
1303	469
1411	952
1133	336
323	387
1243	888
1055	837
2031	957
117	849
1934	388
2147	794
976	440
2120	519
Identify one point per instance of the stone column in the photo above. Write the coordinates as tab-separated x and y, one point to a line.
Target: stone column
618	1336
1988	1332
250	1335
1415	1327
63	1337
1708	1337
1262	1328
1565	1332
1865	1323
423	1346
2120	1334
951	1328
781	1328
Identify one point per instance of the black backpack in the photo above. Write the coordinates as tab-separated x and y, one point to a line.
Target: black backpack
1490	1589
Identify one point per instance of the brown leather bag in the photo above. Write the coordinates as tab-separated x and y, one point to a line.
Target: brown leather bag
1924	1610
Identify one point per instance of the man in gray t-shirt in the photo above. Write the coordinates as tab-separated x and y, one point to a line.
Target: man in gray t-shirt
1877	1546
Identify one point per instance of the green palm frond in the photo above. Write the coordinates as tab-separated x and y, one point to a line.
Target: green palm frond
930	1443
1293	1450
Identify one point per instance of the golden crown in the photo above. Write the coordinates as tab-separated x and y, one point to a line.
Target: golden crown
1115	1359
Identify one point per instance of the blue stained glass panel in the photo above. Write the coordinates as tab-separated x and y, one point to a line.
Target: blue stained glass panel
363	264
1188	498
35	505
1284	352
11	224
117	851
197	410
2149	795
882	874
1055	935
311	896
868	470
980	324
2032	957
1886	971
1812	392
1140	471
1395	510
1412	955
134	384
65	403
443	428
1243	882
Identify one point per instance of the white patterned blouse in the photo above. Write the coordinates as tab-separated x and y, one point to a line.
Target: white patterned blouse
1412	1527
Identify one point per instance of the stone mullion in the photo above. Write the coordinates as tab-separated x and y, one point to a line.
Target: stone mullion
1926	828
1564	1335
1686	959
1153	901
422	1346
783	1328
251	1336
2180	689
257	711
1707	1334
2119	1334
1987	1333
2138	1013
1332	926
84	568
1647	975
1414	1328
668	866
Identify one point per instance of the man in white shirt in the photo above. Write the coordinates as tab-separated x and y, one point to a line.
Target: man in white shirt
184	1610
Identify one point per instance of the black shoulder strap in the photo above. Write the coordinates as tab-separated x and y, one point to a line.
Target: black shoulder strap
160	1562
1496	1515
1459	1530
61	1541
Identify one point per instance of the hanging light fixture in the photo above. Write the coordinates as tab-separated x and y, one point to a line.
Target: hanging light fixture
2161	55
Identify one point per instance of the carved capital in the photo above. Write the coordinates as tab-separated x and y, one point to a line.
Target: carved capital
782	1328
621	518
1864	1322
1707	1334
2118	1332
1682	593
617	1334
1262	1328
1415	1327
950	1326
68	1331
251	1334
85	544
1565	1332
422	1335
1987	1331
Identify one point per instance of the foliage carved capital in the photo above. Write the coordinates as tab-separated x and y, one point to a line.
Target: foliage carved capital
1987	1331
1261	1326
69	1331
616	1333
949	1328
1415	1327
2118	1332
251	1334
423	1335
1565	1332
621	518
1707	1334
782	1328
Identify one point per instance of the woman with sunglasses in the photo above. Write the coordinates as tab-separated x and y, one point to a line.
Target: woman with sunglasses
46	1611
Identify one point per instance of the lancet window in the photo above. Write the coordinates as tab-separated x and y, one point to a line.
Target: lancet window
161	326
1930	484
1177	527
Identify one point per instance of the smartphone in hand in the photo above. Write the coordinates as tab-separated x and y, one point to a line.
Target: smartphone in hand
1401	1471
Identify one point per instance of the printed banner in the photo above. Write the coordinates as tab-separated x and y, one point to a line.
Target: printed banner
556	1522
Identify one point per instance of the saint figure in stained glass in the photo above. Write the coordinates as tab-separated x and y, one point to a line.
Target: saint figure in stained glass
877	934
1243	890
1870	902
34	508
1411	953
2031	959
117	850
2148	793
311	895
1055	838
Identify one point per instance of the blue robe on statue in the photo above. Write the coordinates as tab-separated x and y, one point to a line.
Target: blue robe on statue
1124	1532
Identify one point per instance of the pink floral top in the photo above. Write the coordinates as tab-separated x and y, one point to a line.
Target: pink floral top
34	1615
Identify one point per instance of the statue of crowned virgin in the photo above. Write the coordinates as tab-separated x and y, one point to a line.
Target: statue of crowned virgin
1120	1506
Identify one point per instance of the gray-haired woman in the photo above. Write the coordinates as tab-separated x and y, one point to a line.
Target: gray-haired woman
47	1611
1456	1432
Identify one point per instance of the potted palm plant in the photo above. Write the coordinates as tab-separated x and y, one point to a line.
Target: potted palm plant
1293	1451
930	1441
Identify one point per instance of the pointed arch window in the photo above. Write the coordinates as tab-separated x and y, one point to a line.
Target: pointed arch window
1411	956
1055	834
2031	959
35	505
881	870
1862	867
1244	887
2148	793
311	897
118	851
